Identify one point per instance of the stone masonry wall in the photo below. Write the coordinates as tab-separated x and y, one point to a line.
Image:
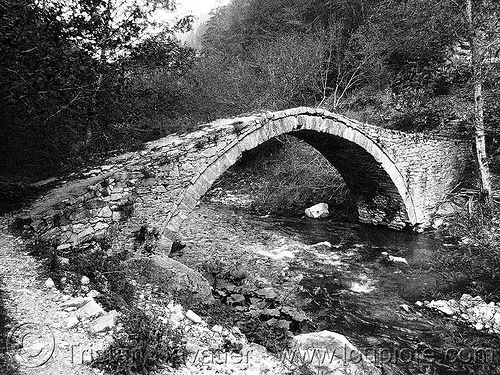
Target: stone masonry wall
157	187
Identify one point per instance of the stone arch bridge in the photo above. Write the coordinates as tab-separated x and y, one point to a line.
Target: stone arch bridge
396	179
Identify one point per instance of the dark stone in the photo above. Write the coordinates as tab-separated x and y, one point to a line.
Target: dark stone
238	273
170	275
236	299
95	204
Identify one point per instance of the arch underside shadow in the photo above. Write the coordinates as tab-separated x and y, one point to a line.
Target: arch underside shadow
377	186
377	197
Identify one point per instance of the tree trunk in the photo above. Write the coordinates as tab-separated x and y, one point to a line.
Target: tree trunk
92	123
479	133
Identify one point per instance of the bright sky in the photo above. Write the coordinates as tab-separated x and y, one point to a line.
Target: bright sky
198	7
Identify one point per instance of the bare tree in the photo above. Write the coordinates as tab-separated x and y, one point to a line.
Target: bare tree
342	71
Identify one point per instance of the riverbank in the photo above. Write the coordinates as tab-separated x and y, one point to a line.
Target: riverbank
300	276
67	334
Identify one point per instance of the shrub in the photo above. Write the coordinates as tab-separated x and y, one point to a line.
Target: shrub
8	364
105	271
145	344
273	338
474	265
13	195
145	239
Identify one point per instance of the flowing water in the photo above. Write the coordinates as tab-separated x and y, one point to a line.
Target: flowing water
346	284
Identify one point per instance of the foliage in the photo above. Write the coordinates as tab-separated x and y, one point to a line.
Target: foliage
107	28
481	344
38	79
14	194
144	344
68	95
106	273
145	239
404	46
474	266
273	338
276	74
239	26
402	24
279	54
8	364
105	270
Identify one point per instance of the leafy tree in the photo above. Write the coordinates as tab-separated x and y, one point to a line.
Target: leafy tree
288	69
483	36
41	82
107	29
402	39
158	89
235	27
282	53
343	66
66	78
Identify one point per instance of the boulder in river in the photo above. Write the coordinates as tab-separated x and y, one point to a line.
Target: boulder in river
318	211
393	259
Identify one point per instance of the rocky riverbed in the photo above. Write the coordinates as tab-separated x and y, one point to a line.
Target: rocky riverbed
363	282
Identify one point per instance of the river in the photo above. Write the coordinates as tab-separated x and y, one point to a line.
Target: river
337	273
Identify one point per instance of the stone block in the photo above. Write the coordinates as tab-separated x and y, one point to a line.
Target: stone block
105	212
100	226
90	310
105	322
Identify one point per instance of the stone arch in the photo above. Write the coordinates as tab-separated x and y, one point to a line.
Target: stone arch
378	186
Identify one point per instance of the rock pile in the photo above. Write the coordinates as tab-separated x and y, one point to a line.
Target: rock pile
261	303
88	314
471	310
216	349
219	350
